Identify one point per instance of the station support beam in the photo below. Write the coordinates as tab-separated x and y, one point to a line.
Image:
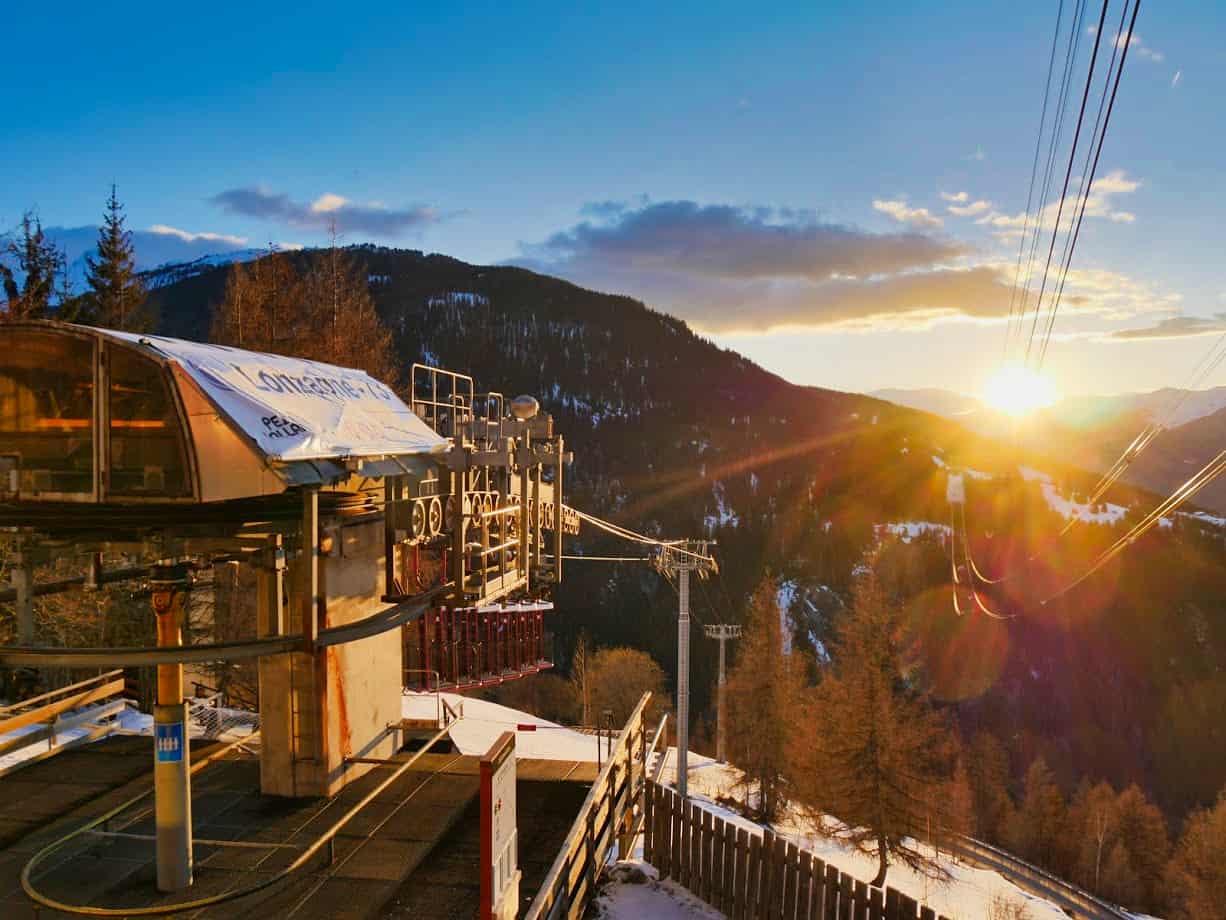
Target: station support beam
22	575
171	760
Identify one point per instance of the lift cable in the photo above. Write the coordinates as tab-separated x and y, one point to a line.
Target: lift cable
1070	61
1202	478
1034	168
1068	174
616	530
1088	182
984	608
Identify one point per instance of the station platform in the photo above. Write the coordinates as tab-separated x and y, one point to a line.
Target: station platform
413	848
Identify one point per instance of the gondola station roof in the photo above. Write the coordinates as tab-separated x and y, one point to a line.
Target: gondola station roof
186	421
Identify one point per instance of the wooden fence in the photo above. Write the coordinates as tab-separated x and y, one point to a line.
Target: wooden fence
750	877
614	807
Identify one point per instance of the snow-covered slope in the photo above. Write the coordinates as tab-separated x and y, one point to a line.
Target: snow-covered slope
968	895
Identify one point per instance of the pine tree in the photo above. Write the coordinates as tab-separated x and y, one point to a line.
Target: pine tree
1035	833
262	309
581	678
762	701
1094	825
874	752
988	771
345	327
1196	877
1143	831
39	263
116	294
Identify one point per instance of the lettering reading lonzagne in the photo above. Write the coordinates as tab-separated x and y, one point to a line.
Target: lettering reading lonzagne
273	381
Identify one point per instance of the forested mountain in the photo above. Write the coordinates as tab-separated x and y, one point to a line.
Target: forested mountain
1121	679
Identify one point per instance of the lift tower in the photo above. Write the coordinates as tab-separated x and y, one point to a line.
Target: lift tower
681	558
722	632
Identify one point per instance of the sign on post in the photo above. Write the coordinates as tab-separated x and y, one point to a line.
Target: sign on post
499	838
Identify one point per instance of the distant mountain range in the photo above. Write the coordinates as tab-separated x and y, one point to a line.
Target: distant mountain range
1092	431
154	250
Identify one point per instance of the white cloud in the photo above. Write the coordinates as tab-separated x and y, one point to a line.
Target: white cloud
1099	203
905	214
1139	47
329	201
188	237
970	210
956	197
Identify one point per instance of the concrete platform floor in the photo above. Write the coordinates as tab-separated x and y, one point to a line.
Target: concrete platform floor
372	857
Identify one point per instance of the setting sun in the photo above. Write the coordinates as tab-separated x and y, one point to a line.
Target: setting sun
1018	390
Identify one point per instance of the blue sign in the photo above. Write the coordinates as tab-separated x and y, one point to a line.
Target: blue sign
168	741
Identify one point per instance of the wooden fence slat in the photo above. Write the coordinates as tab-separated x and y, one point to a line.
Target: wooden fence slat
891	905
649	830
741	891
753	879
831	894
817	889
907	907
707	846
779	874
927	913
859	910
876	904
791	880
846	887
675	861
719	882
804	886
766	886
729	879
695	822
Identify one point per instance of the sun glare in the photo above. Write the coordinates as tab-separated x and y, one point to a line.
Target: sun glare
1016	391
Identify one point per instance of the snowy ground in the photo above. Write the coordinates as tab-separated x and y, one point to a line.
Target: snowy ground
483	722
635	892
1068	509
966	897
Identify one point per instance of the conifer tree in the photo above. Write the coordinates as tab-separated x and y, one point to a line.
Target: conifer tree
762	699
1196	877
262	309
345	327
1143	832
116	295
30	266
874	752
987	766
1035	833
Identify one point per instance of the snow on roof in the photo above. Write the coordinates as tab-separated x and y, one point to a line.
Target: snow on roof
483	722
295	409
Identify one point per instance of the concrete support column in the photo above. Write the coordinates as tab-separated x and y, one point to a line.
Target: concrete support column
23	583
171	760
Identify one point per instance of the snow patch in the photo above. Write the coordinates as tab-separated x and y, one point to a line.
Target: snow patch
907	531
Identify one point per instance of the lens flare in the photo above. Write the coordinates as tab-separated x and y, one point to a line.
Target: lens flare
1017	390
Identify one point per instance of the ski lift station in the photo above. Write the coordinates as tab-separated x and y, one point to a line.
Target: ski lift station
389	543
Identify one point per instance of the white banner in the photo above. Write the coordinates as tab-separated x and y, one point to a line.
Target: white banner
294	409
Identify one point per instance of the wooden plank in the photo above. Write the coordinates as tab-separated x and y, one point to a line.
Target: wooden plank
740	888
51	710
693	820
708	848
859	909
846	887
766	887
830	894
804	886
891	905
908	907
791	876
753	881
927	913
675	859
649	830
876	904
663	833
728	880
715	877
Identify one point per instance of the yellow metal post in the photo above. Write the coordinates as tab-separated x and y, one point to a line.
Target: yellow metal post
171	760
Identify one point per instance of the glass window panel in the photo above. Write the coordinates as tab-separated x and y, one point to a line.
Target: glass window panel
146	444
47	411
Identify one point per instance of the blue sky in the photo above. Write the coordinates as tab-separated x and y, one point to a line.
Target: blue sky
704	158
